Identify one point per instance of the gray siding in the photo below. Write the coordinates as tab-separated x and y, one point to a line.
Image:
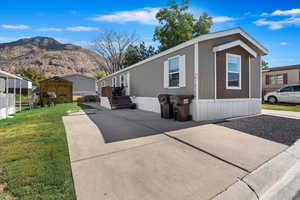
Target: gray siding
206	65
148	80
82	84
255	77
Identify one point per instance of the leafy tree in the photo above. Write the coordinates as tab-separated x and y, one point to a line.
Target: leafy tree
178	25
264	64
31	74
137	53
100	74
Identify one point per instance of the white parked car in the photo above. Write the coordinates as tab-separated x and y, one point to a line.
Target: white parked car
289	94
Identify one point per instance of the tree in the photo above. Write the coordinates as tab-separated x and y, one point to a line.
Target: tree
111	46
100	74
137	53
31	74
177	25
264	64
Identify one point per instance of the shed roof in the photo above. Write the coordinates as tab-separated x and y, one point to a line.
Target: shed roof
76	74
56	78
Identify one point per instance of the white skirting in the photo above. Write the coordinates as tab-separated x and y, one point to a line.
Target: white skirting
208	109
226	108
147	103
104	102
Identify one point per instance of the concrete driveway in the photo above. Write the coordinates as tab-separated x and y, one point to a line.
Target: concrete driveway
132	154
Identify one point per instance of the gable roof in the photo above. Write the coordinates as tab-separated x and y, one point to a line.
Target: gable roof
234	44
200	38
4	74
289	67
56	78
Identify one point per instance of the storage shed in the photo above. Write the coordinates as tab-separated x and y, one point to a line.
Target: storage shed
62	88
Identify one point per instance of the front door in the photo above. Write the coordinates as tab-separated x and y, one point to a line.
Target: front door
125	81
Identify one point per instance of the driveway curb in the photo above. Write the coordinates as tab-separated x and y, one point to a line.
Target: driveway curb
269	180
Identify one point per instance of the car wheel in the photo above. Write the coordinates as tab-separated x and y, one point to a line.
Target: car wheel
272	100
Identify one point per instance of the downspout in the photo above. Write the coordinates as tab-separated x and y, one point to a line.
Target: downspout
7	98
196	80
215	75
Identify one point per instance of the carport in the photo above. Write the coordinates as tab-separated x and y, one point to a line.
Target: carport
7	100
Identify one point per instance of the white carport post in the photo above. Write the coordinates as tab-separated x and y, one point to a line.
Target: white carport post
15	93
20	101
7	98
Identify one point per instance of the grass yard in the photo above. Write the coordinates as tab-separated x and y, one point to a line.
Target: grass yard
286	107
34	157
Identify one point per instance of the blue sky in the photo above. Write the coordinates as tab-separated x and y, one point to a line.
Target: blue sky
275	24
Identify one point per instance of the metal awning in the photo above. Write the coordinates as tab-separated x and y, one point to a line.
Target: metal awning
4	74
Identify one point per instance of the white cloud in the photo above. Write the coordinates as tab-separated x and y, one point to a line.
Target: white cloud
14	26
50	29
291	12
283	43
221	19
81	28
143	16
275	25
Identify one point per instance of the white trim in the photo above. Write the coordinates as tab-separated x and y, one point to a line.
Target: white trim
233	44
193	41
240	72
128	83
215	75
250	77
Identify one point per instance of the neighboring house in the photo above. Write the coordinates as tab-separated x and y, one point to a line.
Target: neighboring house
7	99
221	69
278	77
82	85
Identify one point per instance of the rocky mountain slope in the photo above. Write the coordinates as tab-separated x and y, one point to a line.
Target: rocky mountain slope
48	56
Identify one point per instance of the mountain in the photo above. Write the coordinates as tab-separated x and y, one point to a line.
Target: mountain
48	56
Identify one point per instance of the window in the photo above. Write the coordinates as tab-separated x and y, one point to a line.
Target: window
233	71
114	81
296	88
173	71
276	79
287	89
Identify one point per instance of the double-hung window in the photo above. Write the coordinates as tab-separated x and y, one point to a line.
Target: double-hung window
173	71
114	82
233	71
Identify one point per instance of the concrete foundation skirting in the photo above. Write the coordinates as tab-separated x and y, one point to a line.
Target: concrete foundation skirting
276	179
104	102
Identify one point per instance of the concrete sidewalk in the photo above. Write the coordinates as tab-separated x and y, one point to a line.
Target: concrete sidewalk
281	113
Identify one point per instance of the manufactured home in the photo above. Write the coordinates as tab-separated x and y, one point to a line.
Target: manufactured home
279	77
221	70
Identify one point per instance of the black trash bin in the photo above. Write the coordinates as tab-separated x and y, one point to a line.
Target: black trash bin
166	108
181	107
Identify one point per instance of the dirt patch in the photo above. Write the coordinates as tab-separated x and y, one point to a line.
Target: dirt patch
2	188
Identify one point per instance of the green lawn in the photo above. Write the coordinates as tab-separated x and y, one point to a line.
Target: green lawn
286	107
34	158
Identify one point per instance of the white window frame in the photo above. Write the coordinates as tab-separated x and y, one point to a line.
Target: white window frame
120	78
174	87
240	72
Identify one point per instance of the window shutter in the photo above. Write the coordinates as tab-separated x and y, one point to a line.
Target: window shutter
182	76
267	79
285	78
166	74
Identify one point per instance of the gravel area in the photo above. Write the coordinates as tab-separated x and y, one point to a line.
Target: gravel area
277	129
